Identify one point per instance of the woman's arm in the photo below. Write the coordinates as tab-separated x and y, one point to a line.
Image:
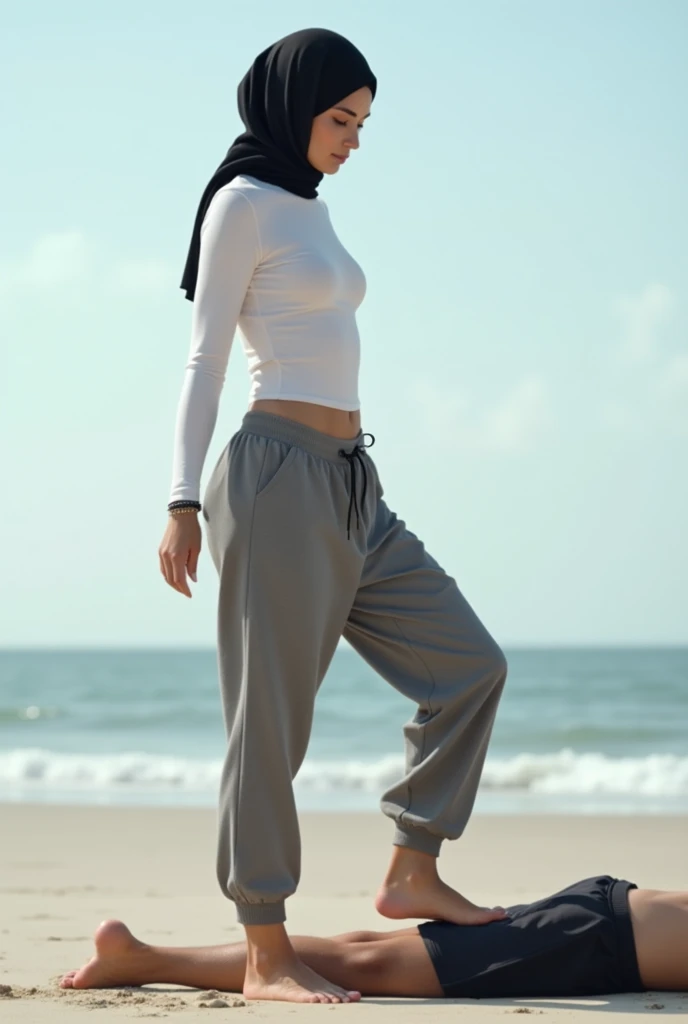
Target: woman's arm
229	255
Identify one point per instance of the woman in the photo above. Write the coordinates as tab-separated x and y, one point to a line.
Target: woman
305	547
598	936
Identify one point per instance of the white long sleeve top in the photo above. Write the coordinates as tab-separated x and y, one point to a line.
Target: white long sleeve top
271	265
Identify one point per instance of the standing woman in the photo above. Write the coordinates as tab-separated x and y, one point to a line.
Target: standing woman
305	547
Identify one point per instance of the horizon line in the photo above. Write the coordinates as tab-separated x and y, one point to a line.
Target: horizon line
197	648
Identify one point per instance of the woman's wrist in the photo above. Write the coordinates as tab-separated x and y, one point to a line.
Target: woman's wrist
184	507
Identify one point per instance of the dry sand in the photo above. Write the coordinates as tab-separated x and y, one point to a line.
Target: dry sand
63	870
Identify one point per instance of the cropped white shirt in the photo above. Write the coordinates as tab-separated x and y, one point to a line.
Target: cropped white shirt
271	264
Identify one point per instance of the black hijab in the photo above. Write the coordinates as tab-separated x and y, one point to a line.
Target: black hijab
287	85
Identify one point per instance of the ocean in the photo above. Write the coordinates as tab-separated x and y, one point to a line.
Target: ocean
578	731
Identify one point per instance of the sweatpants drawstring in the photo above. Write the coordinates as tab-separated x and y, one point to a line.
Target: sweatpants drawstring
352	457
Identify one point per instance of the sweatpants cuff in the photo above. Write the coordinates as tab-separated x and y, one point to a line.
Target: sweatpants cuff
261	913
417	839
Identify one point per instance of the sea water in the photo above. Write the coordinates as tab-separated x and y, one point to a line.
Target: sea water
578	731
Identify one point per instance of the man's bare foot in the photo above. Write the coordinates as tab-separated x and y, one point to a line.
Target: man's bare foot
120	959
274	971
413	888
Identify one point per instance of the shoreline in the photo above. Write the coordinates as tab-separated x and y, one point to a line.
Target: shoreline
511	804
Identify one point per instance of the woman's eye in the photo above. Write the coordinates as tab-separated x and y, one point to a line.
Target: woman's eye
342	124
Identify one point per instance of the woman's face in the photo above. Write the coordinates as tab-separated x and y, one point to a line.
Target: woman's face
335	132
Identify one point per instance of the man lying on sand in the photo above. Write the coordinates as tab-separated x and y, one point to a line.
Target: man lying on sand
596	937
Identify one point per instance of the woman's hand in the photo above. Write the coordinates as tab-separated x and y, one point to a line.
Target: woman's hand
179	551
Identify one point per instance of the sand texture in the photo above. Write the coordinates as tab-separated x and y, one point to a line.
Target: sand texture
63	870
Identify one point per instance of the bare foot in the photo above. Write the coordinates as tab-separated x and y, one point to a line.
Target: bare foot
120	959
294	982
413	888
274	971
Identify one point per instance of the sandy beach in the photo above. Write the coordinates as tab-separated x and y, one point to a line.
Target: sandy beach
63	870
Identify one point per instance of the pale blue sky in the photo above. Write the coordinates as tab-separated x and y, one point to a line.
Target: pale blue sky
519	205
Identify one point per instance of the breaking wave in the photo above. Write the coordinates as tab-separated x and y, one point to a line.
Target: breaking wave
564	773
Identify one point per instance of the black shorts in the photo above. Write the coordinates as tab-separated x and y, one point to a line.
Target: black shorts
578	942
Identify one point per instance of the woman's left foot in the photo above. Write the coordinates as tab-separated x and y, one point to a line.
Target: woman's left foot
413	889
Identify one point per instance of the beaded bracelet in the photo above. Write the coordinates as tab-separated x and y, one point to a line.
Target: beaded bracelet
179	507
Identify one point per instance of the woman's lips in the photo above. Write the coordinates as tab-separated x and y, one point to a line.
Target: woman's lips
340	158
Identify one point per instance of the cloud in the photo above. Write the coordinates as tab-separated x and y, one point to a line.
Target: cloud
517	422
68	262
671	390
672	382
643	316
55	260
653	373
513	425
142	277
617	416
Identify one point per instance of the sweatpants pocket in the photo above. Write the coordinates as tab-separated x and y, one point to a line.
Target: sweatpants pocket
278	457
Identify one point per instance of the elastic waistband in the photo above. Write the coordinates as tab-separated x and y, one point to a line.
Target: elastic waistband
279	428
628	958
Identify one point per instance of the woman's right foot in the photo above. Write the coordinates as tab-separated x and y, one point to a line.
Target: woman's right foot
274	971
293	982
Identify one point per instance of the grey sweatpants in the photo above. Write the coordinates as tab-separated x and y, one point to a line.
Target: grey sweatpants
298	569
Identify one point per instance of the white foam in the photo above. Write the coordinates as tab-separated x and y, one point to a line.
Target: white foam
567	772
43	769
563	773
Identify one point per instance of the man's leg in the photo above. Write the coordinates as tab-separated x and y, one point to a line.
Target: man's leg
660	929
381	964
411	623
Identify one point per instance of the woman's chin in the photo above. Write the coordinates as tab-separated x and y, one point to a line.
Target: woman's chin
331	167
